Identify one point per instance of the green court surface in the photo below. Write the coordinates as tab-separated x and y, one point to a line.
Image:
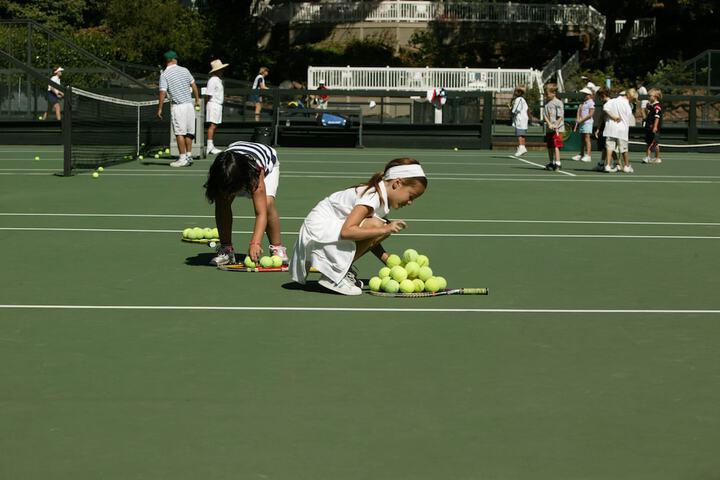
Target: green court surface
126	356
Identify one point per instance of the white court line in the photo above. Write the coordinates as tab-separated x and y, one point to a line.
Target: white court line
431	220
586	179
356	309
441	235
541	166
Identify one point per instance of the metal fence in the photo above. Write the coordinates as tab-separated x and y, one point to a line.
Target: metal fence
422	79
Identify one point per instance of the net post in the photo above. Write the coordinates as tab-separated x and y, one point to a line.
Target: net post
692	121
67	134
486	127
137	132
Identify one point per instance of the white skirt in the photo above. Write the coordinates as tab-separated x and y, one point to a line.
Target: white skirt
319	245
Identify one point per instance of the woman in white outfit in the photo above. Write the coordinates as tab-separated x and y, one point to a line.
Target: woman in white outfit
346	225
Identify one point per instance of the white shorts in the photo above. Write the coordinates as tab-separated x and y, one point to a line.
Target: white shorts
272	181
182	117
213	113
618	145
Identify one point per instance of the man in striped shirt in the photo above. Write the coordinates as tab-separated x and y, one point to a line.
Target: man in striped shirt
178	82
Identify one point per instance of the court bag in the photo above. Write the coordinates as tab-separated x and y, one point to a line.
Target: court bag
330	120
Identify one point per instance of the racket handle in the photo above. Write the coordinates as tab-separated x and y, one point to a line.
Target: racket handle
475	291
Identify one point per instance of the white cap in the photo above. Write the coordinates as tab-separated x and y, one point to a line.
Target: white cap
58	70
586	91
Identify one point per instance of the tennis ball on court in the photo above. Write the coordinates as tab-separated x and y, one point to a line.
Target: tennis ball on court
424	273
248	262
423	261
37	157
167	151
374	284
391	286
384	272
413	269
95	174
266	261
39	117
215	233
100	169
398	273
419	285
442	282
407	286
187	232
393	260
276	261
157	156
140	157
456	149
410	255
432	285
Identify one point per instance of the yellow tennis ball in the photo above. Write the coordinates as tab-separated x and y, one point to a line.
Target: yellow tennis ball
393	260
266	262
391	286
419	285
407	286
374	284
410	255
37	157
198	232
384	272
412	269
276	261
423	261
398	273
456	149
95	174
140	157
208	233
248	262
197	108
432	285
443	282
157	156
100	169
167	151
215	233
424	273
187	232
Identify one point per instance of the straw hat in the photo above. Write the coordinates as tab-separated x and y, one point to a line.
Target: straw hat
216	65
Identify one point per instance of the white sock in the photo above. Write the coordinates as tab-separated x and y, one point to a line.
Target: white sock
188	156
210	145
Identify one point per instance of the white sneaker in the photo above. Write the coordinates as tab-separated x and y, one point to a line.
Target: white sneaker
213	150
345	286
628	169
183	162
224	255
586	159
655	160
521	150
610	169
280	251
577	158
646	160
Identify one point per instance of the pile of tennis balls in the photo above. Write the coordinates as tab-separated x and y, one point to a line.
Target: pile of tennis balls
198	233
265	262
410	273
97	172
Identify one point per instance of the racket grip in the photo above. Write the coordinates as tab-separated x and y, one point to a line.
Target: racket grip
475	291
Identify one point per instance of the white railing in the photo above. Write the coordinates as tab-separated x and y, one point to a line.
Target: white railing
424	11
422	79
642	27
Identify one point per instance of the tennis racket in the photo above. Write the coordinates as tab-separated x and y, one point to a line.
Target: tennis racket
240	267
453	291
203	241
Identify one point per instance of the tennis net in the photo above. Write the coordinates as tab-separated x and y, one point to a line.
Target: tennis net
106	130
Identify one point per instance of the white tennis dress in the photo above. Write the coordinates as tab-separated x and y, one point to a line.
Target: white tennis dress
319	244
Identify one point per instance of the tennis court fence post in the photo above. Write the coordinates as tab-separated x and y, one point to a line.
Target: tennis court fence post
692	122
67	133
486	125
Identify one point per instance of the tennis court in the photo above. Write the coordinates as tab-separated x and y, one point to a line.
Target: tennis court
126	356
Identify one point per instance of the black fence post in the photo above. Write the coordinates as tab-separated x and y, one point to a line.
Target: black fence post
692	122
486	127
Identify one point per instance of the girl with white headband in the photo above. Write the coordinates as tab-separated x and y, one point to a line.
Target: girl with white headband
346	225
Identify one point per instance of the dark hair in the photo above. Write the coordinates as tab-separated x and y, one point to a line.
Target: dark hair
231	173
374	181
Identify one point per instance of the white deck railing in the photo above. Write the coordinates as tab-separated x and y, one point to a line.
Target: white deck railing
642	27
424	11
422	79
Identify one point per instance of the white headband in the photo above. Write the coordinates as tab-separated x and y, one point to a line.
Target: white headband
404	171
